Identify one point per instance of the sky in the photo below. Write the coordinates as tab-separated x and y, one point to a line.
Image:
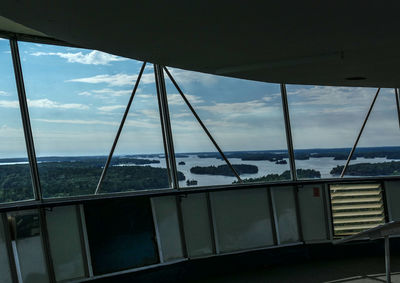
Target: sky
77	97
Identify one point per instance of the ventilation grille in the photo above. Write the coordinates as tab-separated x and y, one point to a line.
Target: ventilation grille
355	208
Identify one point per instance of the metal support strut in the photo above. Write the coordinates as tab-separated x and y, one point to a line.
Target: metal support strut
103	174
288	129
396	93
166	126
30	147
202	124
359	134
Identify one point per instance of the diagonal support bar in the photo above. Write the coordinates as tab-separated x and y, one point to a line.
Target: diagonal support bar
202	125
359	134
166	127
288	129
103	174
396	93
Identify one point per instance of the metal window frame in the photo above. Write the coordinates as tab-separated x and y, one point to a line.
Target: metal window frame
288	130
30	146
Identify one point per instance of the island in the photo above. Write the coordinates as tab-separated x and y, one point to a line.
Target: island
281	162
191	182
369	169
301	174
224	170
181	163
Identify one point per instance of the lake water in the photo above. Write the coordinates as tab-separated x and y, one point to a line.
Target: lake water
265	167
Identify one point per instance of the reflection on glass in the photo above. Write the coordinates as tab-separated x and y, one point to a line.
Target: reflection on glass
244	117
15	179
325	122
76	99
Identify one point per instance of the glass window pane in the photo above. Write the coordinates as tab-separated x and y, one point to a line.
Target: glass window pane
138	162
76	99
246	120
378	151
121	234
15	179
325	122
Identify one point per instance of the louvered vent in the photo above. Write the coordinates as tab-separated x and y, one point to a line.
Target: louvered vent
356	207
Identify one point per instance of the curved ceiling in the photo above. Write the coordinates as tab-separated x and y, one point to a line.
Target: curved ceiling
304	42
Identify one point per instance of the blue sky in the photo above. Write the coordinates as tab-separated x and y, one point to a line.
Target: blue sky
76	99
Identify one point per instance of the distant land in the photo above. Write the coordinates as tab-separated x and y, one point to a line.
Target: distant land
225	170
369	169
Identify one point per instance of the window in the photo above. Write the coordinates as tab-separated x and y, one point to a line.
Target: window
244	117
76	99
15	179
325	122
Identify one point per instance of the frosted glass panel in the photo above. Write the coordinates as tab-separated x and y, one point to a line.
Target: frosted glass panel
196	222
30	247
4	262
168	227
65	243
285	209
242	218
312	213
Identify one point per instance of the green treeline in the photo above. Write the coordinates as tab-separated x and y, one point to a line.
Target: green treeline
224	170
369	169
62	179
301	174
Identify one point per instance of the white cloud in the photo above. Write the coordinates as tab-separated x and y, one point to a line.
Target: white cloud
79	122
85	93
113	92
116	80
176	99
111	108
93	58
9	103
189	77
3	93
238	108
49	104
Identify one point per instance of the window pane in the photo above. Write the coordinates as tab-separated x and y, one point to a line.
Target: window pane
325	122
15	179
76	100
138	162
244	117
378	151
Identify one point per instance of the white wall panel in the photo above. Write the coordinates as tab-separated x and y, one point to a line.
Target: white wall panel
65	243
243	220
5	272
285	209
166	216
197	225
29	247
311	203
